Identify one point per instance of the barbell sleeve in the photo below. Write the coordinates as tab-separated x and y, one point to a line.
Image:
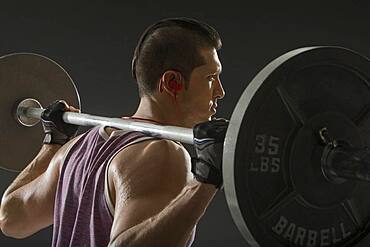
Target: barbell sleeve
345	162
183	135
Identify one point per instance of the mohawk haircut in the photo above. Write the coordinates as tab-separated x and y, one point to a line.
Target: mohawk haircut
171	44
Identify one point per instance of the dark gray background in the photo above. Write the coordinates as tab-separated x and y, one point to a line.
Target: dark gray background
94	42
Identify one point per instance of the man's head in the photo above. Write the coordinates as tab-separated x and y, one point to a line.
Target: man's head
171	44
177	67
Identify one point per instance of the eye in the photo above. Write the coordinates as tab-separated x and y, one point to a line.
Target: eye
211	78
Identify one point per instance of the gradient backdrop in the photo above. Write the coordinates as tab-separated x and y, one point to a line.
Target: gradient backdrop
94	42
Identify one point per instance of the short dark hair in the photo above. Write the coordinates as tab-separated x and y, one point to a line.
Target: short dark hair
173	43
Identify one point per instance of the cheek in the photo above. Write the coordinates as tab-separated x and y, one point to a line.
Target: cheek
206	95
204	104
200	94
205	89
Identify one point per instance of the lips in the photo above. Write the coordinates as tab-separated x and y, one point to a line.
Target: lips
214	107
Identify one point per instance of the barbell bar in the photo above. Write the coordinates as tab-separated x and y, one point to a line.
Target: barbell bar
184	135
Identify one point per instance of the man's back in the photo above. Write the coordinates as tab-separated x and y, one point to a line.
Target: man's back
82	216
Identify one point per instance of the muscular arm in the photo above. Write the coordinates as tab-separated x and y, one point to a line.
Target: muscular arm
27	205
164	206
37	167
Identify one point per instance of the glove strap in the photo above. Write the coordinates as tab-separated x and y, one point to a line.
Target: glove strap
206	173
49	139
53	135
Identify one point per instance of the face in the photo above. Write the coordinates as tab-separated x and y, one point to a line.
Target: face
205	88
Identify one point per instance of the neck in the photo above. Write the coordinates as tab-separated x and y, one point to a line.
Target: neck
160	110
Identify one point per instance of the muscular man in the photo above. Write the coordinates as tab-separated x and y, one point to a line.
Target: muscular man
117	188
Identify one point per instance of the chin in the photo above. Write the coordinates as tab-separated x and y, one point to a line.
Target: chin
205	118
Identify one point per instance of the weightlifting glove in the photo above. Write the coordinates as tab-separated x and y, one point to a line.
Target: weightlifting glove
208	143
56	130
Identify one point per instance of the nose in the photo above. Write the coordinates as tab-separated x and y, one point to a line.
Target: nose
219	91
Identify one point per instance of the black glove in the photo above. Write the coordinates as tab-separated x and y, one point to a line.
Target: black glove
208	142
57	131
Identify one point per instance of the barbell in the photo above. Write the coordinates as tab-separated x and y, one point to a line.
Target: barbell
295	164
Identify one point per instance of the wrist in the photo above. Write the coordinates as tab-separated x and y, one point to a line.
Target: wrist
205	187
50	148
210	188
206	172
55	138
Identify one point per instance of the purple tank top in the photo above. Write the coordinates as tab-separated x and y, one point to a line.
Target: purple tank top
81	214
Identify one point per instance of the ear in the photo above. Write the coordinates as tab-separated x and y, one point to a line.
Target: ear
171	82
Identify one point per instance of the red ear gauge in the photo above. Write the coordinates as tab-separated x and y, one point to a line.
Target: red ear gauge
178	87
174	86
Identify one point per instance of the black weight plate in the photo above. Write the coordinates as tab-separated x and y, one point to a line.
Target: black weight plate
26	75
275	189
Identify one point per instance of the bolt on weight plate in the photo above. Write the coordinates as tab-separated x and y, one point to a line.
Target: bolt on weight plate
274	185
28	76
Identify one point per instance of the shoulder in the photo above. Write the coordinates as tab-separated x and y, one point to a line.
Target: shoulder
152	154
153	162
59	156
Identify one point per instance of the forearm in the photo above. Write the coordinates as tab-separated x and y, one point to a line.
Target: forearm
34	169
173	225
13	200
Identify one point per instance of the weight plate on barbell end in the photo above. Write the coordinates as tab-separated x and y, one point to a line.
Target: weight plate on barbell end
27	75
274	185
